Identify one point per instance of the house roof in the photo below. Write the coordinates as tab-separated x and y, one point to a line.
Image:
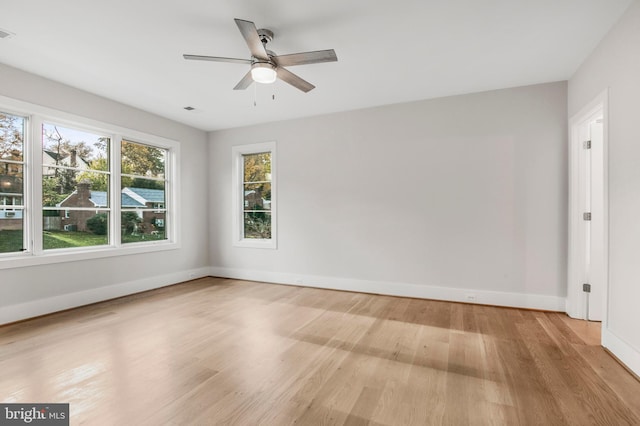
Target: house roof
99	198
146	195
53	155
60	158
130	197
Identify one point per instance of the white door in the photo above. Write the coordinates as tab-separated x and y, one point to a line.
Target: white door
594	228
587	268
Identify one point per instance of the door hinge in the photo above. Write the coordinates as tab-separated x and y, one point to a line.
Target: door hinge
587	144
586	216
586	288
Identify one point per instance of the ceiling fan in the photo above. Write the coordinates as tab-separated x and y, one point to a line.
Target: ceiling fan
266	66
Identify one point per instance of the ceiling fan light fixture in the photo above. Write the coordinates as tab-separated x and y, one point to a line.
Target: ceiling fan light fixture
263	72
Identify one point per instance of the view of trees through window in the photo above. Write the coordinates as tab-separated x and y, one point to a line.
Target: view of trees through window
75	187
94	187
143	192
257	195
12	131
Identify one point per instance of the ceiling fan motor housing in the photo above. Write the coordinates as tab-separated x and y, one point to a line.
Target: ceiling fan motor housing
265	35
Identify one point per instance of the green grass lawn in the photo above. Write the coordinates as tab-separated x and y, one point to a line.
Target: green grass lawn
128	238
11	241
67	239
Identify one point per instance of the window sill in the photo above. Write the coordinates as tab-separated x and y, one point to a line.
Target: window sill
74	255
251	243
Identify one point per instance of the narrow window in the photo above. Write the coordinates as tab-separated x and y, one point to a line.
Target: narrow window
254	183
12	226
144	192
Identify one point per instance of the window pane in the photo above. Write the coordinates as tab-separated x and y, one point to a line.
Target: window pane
73	188
11	178
74	228
257	196
257	167
11	137
257	225
142	160
139	222
78	149
149	189
139	226
11	230
143	215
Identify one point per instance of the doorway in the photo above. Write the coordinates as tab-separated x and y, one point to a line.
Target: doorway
588	213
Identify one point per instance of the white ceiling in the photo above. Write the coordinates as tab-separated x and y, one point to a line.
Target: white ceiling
388	52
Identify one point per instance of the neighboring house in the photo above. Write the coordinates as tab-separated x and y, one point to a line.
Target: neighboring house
10	195
132	199
151	199
253	201
51	158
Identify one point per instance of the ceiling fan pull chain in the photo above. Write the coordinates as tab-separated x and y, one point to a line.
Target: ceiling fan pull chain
255	89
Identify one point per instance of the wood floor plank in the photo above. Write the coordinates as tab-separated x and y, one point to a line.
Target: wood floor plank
221	351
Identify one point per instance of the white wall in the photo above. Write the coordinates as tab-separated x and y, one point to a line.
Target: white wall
615	65
30	291
443	198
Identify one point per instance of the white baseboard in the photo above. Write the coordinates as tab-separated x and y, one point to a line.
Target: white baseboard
626	353
484	297
49	305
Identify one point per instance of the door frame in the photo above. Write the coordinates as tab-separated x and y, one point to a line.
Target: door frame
575	305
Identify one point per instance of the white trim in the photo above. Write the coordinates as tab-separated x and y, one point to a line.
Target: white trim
597	106
237	191
626	353
484	297
49	305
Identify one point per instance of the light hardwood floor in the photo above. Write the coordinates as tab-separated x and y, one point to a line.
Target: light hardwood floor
217	351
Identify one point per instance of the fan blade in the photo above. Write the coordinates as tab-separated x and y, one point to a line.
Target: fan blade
245	82
294	80
306	58
217	59
250	34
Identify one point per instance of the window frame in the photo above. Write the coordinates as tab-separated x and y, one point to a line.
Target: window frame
167	190
32	198
238	152
24	207
109	209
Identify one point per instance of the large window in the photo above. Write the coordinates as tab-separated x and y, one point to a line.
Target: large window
12	134
254	197
72	188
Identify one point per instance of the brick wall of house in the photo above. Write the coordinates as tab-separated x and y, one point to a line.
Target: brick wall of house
80	198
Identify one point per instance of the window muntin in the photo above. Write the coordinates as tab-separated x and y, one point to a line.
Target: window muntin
12	221
75	187
144	192
254	195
